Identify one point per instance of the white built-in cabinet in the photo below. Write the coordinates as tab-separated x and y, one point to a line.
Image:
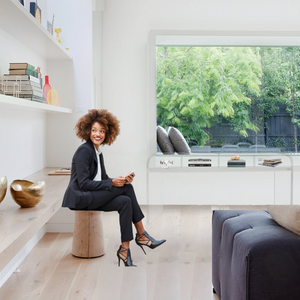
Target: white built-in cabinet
21	25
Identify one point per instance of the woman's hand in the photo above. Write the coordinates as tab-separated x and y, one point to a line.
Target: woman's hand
129	178
119	181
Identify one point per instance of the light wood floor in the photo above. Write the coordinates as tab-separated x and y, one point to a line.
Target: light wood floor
178	270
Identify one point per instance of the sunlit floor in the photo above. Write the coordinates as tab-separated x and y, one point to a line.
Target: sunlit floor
180	269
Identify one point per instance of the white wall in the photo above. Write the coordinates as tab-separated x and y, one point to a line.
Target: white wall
126	27
22	134
124	76
75	82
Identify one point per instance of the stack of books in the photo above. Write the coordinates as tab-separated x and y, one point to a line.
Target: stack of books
29	86
199	162
22	69
272	162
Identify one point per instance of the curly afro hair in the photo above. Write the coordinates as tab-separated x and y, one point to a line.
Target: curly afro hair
102	116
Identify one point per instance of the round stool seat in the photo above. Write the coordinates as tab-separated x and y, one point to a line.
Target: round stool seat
88	241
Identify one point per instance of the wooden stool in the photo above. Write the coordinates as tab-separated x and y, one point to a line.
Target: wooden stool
88	239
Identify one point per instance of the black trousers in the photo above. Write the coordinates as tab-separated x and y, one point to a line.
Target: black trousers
123	200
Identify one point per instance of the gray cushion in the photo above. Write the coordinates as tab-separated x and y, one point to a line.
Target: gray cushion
178	141
288	216
163	141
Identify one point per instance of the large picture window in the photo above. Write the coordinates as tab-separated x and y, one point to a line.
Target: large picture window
230	99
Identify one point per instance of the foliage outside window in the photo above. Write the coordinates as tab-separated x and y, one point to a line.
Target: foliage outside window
228	95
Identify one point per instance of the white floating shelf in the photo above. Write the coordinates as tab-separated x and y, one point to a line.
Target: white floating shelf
27	105
19	23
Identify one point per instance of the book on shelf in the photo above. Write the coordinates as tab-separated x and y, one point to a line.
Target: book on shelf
23	72
199	159
27	93
38	99
25	87
272	165
272	162
199	164
21	66
236	163
11	77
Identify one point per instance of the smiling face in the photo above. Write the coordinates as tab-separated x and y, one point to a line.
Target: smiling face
97	135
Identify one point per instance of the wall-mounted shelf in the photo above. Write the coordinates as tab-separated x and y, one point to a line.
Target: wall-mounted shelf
20	24
27	105
255	184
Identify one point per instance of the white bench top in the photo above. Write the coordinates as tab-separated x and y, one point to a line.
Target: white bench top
19	225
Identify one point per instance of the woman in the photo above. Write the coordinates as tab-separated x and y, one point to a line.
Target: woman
91	189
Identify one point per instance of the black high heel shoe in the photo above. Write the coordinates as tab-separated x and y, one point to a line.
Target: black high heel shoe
127	259
146	240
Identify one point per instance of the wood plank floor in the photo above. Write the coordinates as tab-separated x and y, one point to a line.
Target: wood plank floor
178	270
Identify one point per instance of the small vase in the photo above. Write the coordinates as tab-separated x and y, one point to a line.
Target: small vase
46	89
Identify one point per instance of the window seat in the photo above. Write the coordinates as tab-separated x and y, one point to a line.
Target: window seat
19	225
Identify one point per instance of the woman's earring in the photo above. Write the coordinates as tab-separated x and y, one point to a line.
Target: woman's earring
3	187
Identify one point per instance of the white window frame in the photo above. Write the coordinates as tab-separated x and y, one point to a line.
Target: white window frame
204	38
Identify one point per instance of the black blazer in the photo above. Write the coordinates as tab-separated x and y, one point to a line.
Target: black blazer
84	169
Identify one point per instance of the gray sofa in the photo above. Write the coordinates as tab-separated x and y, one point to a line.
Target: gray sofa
254	258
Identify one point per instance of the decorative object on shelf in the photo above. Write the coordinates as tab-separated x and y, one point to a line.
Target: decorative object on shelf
166	163
58	31
237	157
26	193
3	187
10	88
38	71
36	11
46	88
50	26
52	97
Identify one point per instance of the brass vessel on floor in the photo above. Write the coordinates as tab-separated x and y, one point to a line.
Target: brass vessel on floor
3	187
27	193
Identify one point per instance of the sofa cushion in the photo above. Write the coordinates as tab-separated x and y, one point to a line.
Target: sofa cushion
288	216
253	257
163	141
178	141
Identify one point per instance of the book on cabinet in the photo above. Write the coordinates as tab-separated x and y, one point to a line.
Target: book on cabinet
23	72
21	66
13	77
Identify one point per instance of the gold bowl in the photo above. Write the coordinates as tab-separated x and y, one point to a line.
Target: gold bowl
27	193
3	187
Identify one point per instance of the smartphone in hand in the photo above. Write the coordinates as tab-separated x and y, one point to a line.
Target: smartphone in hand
130	174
